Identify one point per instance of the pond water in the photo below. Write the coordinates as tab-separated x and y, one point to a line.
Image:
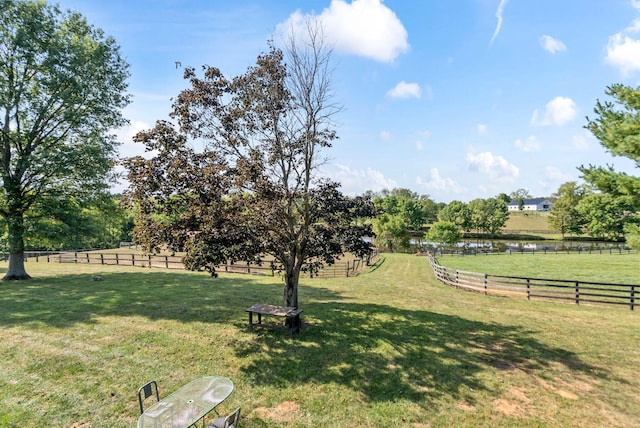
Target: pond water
501	245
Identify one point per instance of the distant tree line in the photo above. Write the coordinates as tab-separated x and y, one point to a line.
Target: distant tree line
71	223
406	218
579	209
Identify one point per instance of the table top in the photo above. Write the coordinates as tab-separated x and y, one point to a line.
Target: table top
188	404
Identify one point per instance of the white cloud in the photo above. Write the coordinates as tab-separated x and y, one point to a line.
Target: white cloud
558	111
386	135
421	136
356	181
499	12
580	142
405	90
125	135
555	174
496	167
623	52
436	182
429	91
366	28
482	129
552	45
531	144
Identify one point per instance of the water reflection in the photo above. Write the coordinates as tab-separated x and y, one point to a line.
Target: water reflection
501	246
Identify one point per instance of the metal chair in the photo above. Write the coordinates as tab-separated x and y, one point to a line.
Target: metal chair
229	421
147	390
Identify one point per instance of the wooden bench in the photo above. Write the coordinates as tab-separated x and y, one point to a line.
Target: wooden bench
291	315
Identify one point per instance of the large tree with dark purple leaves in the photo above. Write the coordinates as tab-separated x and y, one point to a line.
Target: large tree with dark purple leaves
254	189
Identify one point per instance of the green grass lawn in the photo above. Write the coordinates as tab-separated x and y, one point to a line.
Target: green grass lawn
390	347
528	221
613	268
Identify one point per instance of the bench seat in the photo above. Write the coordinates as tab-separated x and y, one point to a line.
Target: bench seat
291	314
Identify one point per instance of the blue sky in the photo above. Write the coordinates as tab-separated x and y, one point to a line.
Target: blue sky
456	99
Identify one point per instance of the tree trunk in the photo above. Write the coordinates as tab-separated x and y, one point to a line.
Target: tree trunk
16	270
291	278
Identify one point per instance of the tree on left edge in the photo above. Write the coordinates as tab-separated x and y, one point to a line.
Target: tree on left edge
62	89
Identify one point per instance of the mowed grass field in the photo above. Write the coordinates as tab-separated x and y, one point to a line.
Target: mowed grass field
528	221
620	268
389	347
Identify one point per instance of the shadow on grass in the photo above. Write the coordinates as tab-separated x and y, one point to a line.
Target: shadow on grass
380	352
387	354
65	300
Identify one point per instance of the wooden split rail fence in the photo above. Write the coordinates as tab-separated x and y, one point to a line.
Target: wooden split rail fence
570	291
341	269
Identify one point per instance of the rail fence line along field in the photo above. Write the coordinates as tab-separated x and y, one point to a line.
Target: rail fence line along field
538	288
268	267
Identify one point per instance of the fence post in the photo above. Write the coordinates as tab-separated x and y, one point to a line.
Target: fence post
485	283
347	269
133	259
149	261
528	289
632	297
166	261
75	257
577	292
456	277
101	258
88	259
117	260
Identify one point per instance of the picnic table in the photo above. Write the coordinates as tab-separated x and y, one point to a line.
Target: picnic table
189	404
291	315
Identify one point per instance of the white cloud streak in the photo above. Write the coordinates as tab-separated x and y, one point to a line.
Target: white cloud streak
499	12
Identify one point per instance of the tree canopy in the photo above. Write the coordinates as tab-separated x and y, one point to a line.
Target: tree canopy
564	216
443	233
617	128
254	190
62	90
402	213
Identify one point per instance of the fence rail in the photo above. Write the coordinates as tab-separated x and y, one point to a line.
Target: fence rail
268	267
577	292
536	250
